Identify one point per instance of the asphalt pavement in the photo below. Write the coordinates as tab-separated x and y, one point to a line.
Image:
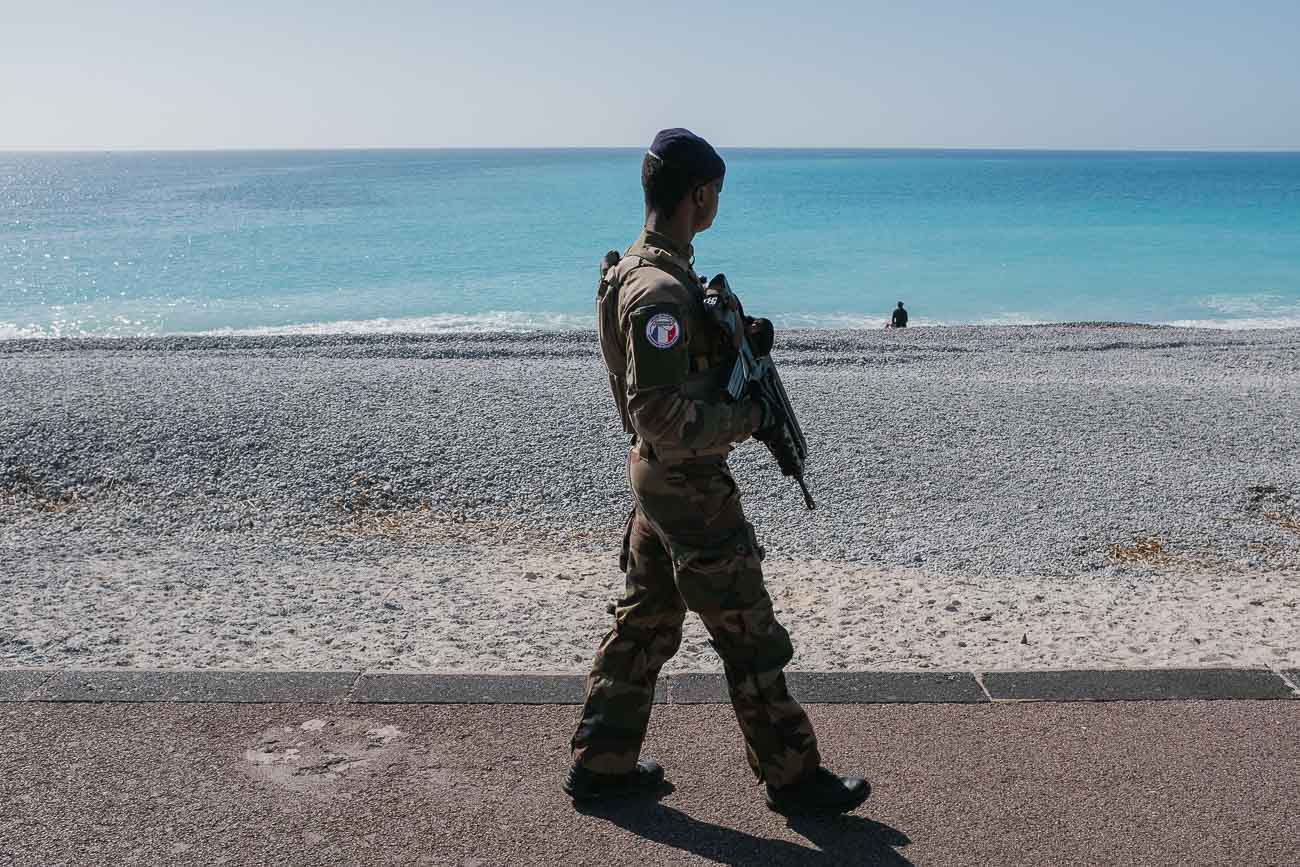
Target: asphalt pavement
994	783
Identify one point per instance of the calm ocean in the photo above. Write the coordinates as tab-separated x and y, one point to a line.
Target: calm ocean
256	242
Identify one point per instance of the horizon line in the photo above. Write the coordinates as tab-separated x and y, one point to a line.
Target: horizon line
863	148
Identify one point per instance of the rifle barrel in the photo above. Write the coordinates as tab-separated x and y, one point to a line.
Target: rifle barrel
807	497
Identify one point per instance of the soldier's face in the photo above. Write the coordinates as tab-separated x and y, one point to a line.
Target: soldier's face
706	204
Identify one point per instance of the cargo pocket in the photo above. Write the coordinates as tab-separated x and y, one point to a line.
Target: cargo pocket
627	542
706	561
715	577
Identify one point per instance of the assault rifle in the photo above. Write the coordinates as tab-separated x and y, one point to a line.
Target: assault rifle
757	374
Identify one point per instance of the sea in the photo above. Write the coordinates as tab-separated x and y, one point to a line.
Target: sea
356	241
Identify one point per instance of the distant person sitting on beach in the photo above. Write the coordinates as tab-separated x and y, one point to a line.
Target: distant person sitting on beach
900	317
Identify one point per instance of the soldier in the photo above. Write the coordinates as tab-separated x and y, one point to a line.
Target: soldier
687	544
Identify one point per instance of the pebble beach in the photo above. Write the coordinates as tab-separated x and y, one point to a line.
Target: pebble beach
988	497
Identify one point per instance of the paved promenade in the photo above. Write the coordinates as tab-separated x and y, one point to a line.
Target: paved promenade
229	778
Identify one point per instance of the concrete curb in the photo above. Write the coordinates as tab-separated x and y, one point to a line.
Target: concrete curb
1139	685
861	687
847	687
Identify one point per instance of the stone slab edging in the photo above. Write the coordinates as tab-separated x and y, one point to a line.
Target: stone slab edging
860	687
1138	685
205	686
848	687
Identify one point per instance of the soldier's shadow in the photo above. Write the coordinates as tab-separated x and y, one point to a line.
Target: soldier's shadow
839	839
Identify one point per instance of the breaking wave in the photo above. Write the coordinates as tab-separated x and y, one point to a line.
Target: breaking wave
520	321
441	323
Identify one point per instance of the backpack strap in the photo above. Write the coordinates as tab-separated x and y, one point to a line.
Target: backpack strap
612	348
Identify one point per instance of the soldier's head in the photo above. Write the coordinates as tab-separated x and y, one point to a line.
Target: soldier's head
900	305
681	175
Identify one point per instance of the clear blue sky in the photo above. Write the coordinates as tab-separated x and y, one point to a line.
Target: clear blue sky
124	73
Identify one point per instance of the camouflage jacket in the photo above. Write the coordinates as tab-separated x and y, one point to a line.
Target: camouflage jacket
677	360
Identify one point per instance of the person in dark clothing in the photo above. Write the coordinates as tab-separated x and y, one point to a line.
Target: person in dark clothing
900	317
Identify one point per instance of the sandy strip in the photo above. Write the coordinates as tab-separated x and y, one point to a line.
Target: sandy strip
487	609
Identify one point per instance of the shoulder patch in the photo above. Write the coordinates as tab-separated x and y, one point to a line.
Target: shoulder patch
656	347
663	331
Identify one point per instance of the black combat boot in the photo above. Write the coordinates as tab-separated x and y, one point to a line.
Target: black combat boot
584	785
821	792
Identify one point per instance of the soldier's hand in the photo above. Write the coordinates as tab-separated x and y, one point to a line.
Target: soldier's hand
761	335
770	416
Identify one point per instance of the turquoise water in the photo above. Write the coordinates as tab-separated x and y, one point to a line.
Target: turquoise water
157	243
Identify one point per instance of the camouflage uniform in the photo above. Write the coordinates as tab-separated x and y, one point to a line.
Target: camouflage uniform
687	543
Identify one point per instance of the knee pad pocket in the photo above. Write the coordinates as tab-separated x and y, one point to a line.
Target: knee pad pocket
747	655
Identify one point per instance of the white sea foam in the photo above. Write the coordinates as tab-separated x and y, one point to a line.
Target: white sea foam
1263	304
498	320
1280	316
121	327
14	331
859	322
516	320
1242	324
1004	319
1243	312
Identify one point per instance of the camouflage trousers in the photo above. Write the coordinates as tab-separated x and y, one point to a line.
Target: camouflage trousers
687	545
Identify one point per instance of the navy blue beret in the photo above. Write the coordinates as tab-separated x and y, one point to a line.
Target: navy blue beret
684	150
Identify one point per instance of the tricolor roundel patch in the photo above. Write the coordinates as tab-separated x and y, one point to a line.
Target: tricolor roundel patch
662	331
